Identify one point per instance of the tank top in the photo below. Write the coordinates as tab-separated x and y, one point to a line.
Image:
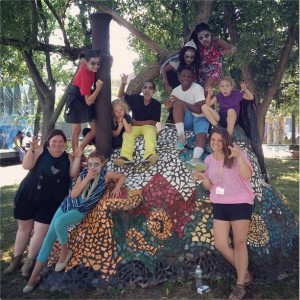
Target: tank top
48	181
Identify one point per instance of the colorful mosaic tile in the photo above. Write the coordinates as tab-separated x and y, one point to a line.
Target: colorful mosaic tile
161	227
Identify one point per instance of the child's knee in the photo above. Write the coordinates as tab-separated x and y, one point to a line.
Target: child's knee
204	108
231	112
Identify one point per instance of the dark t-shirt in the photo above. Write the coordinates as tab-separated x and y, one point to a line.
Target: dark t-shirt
142	112
117	140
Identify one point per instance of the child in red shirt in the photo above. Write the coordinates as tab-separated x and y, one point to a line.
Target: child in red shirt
80	107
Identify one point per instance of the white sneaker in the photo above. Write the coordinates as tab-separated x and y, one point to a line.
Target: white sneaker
181	141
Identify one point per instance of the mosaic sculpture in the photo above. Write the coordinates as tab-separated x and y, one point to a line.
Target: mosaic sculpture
161	228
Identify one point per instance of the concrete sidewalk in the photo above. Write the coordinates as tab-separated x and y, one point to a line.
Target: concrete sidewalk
10	175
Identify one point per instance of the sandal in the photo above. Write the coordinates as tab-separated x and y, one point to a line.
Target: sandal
248	279
238	292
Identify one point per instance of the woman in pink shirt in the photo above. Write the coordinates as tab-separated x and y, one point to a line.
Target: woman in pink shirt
228	180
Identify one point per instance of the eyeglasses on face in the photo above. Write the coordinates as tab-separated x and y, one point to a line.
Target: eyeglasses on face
201	37
149	87
93	165
189	56
93	63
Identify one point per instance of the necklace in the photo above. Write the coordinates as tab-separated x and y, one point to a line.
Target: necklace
89	188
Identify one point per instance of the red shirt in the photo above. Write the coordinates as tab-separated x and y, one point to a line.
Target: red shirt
84	79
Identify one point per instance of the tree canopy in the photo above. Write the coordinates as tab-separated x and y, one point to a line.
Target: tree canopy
265	33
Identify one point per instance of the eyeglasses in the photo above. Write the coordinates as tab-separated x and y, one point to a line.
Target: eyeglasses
201	37
93	165
149	87
189	57
93	63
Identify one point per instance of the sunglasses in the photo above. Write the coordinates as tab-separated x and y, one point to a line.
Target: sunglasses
93	63
149	87
189	57
201	37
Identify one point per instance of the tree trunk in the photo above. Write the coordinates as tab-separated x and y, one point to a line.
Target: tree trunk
203	12
293	129
262	108
46	96
277	77
37	120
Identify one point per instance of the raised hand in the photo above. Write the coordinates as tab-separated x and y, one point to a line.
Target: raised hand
235	151
34	144
243	86
209	91
124	78
78	152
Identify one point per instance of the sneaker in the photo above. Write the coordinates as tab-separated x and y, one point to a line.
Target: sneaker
151	159
196	164
181	141
122	162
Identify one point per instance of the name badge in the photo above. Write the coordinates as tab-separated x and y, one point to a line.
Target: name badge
220	191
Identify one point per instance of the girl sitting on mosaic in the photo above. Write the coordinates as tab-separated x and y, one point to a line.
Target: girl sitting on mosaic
121	122
86	193
228	180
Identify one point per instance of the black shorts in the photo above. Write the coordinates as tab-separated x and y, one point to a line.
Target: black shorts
223	119
232	212
76	110
39	212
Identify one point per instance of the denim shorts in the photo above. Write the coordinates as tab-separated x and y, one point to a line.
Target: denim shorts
232	212
195	124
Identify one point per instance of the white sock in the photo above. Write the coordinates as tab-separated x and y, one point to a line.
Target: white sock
180	128
198	151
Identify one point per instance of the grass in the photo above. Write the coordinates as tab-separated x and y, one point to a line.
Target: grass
284	175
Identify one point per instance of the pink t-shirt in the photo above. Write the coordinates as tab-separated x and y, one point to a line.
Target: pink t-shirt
228	187
84	79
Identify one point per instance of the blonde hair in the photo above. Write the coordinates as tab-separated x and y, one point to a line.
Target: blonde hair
116	102
229	79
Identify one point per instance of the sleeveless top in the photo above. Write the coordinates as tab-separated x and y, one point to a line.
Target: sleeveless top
47	182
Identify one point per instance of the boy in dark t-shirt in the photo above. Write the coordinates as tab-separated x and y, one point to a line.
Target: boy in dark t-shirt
145	114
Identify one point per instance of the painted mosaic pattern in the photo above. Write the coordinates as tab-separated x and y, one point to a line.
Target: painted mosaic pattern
161	228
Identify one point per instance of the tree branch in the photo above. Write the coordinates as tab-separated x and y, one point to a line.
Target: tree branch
159	51
34	30
293	33
35	73
72	54
60	23
230	20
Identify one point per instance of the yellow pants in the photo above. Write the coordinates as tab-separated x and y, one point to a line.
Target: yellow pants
148	131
